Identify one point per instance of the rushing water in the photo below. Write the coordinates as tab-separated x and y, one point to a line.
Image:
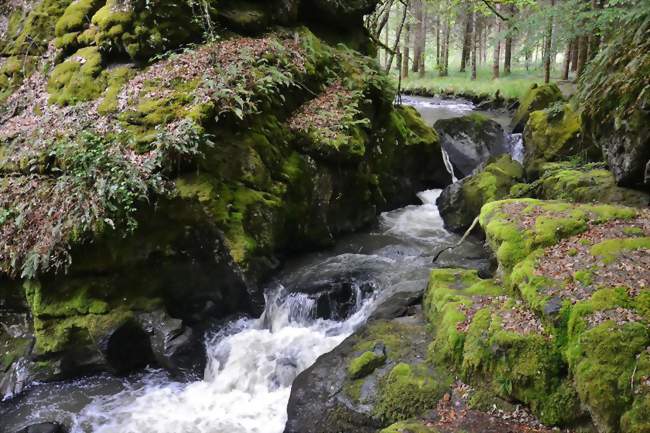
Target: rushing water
252	362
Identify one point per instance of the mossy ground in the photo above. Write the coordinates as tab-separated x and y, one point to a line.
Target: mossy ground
569	331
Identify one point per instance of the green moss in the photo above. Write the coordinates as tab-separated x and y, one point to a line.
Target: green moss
74	20
610	249
637	419
537	98
449	290
365	364
38	28
409	426
117	78
77	79
405	392
392	335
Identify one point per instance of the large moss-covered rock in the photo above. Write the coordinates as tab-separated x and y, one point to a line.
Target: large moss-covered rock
537	98
400	384
461	202
613	92
470	141
555	134
581	268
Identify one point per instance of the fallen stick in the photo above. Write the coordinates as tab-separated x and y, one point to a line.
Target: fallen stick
469	230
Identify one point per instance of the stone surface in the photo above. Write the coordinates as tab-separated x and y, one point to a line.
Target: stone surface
537	98
470	141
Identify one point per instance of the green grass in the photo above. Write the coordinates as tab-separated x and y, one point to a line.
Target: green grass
512	86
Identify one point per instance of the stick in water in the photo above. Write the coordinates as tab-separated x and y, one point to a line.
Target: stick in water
469	230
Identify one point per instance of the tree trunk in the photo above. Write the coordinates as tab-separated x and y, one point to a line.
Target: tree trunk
496	54
423	40
386	33
406	50
447	34
547	47
574	54
438	41
397	41
417	26
467	41
475	42
567	60
507	55
582	55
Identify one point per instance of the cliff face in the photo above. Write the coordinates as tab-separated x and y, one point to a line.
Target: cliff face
158	160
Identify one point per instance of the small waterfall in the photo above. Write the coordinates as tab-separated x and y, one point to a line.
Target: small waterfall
448	165
516	147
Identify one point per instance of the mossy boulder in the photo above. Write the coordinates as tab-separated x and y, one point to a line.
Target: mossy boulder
579	184
553	135
536	98
613	93
403	385
494	341
461	202
470	141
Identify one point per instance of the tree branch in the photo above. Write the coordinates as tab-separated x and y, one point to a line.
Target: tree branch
494	10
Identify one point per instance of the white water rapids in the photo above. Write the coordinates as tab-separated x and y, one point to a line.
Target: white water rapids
253	362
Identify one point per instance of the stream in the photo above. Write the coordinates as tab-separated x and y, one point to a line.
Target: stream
252	362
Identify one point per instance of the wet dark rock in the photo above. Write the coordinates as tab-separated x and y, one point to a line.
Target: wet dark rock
461	202
175	347
470	141
325	399
398	305
45	427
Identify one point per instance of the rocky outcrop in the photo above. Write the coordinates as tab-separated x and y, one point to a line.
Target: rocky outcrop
163	193
470	140
556	134
613	92
461	202
537	98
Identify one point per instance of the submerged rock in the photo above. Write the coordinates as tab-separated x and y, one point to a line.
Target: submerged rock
46	427
470	141
461	202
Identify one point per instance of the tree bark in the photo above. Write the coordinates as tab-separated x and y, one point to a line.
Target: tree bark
547	47
475	42
507	55
496	54
467	41
417	35
406	50
582	55
386	34
398	37
574	54
437	41
567	60
423	40
447	34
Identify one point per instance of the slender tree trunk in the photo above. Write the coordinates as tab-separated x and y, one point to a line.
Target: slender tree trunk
437	41
423	40
507	55
406	50
496	54
575	42
386	35
467	41
484	51
547	48
398	37
447	34
582	55
567	60
475	42
417	34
